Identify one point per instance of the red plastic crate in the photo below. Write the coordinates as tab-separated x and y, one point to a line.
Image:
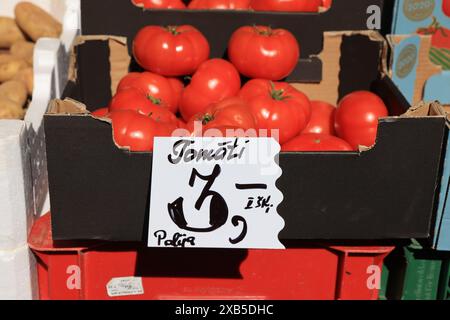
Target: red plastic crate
324	273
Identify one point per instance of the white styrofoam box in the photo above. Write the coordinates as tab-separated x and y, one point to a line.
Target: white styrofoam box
23	169
23	177
51	66
18	279
16	194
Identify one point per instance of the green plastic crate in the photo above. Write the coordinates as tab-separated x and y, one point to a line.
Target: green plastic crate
413	273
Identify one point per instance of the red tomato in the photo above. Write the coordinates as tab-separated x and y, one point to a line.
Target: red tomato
181	124
220	4
177	89
170	51
133	99
357	118
286	5
446	7
100	113
310	142
232	112
277	106
160	90
160	4
136	131
262	52
214	81
327	4
322	118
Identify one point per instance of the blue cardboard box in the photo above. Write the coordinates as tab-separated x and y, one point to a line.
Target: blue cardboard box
430	18
420	67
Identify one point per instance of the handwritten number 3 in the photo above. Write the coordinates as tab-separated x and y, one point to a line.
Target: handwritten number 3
218	209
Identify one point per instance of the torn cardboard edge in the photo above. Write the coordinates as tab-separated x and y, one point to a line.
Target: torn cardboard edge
114	42
326	90
70	107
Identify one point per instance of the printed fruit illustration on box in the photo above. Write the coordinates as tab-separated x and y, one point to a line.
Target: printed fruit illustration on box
431	18
440	52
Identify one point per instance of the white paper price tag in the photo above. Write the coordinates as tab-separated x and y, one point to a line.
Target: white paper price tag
215	193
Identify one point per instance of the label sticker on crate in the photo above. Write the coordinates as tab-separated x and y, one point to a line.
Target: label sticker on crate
127	286
215	193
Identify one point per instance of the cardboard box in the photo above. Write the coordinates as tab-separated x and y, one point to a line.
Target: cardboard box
418	77
426	58
23	188
420	67
337	18
442	228
126	271
99	191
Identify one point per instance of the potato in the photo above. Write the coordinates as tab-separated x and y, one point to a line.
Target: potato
15	91
10	109
9	32
24	50
26	77
10	66
35	22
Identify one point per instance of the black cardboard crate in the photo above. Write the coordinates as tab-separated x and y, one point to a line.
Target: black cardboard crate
122	18
99	191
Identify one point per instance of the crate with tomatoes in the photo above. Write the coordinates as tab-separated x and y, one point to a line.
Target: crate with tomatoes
352	145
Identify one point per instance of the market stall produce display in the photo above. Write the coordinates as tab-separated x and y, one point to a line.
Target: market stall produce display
144	136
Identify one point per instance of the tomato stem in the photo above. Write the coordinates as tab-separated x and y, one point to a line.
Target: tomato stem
173	30
207	118
267	32
154	100
277	95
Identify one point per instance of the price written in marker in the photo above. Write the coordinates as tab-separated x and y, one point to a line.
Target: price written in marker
215	193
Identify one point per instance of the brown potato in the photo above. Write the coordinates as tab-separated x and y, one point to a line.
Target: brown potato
15	91
10	66
26	76
24	50
9	32
35	22
10	109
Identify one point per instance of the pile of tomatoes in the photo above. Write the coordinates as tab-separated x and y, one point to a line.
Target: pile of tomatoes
257	5
157	103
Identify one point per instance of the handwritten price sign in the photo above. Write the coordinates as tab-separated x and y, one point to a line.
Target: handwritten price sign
215	193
